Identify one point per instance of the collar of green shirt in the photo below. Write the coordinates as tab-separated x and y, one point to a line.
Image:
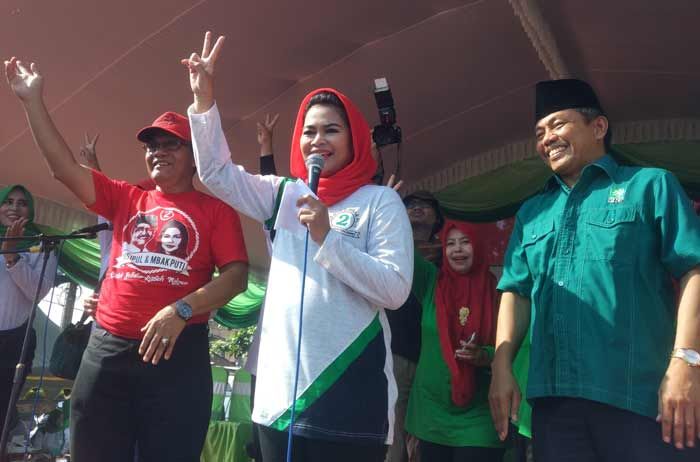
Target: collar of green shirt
605	163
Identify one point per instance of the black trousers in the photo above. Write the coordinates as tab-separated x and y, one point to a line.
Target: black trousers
519	443
432	452
10	349
273	444
579	430
118	400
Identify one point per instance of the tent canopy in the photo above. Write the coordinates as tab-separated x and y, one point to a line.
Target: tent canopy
461	72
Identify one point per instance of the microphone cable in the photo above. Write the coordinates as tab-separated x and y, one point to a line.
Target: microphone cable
314	164
292	419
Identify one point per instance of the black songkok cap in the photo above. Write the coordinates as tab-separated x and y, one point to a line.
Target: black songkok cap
557	95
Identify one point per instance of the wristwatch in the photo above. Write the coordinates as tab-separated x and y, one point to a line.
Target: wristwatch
691	357
184	309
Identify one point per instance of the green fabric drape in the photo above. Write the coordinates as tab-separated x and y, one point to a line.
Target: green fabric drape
494	195
498	194
219	377
680	157
226	442
80	260
244	309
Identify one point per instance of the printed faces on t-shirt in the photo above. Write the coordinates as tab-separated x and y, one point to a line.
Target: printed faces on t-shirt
158	243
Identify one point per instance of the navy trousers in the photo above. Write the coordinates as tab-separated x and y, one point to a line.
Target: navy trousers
579	430
273	444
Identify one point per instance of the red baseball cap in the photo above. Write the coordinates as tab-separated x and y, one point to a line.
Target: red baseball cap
171	122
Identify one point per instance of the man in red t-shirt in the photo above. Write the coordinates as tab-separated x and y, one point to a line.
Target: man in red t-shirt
145	375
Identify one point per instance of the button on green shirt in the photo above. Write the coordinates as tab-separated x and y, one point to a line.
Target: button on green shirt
595	261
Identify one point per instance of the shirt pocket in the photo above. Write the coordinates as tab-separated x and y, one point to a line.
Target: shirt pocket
610	234
537	243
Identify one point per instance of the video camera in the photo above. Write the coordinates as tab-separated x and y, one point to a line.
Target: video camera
387	132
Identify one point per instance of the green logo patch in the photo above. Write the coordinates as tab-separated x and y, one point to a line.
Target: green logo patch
616	196
346	222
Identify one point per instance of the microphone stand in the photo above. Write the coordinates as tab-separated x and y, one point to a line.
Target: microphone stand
49	243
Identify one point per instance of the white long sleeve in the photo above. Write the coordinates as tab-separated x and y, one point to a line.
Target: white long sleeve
18	287
370	271
252	195
384	263
364	265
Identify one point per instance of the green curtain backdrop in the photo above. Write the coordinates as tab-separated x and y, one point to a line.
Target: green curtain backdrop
498	194
680	157
494	195
226	441
80	260
244	309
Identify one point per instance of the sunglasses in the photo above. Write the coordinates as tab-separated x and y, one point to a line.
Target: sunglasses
165	146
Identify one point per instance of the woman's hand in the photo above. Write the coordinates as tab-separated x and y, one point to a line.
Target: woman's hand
16	229
315	217
472	354
393	184
88	152
161	333
265	131
26	82
202	73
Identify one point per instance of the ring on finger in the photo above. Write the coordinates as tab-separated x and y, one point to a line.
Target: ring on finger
165	341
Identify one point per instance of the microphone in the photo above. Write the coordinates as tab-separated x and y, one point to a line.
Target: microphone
93	229
314	164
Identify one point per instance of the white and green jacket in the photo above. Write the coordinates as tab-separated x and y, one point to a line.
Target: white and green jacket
346	385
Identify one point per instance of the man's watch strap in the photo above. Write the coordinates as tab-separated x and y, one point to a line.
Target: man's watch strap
184	310
690	356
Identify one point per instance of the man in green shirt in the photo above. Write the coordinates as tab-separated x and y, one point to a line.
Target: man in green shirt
589	268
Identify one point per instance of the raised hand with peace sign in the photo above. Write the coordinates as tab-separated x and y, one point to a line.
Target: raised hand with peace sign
201	69
27	83
265	131
88	152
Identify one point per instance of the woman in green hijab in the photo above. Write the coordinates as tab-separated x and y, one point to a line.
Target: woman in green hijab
17	202
19	277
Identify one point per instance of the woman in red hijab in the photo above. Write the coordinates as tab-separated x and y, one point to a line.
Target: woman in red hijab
448	408
359	262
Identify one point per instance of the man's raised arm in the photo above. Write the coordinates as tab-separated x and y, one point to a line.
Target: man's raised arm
27	84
